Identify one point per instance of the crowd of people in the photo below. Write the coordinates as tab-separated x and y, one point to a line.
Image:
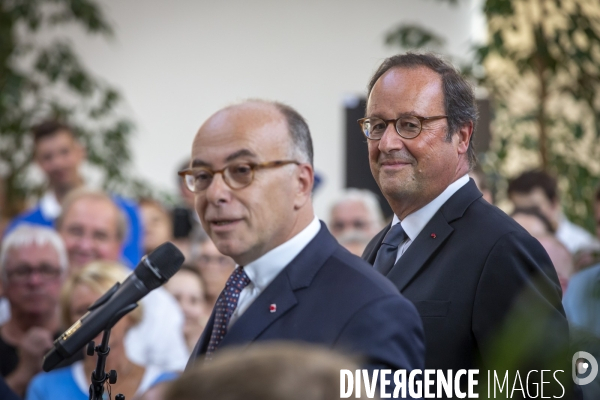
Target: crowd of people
447	249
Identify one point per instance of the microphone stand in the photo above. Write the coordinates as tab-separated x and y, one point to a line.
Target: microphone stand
99	376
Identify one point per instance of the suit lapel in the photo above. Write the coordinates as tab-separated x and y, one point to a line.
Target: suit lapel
420	250
202	342
258	317
298	274
205	338
371	250
433	235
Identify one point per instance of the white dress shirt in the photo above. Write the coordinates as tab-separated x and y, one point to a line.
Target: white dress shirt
574	237
263	270
414	223
49	206
158	339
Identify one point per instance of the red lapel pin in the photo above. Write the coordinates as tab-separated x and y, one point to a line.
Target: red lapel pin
433	235
273	308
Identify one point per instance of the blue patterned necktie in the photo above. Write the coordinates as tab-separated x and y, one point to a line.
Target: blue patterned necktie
386	255
225	306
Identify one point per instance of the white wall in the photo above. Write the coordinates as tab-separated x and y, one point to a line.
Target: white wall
177	62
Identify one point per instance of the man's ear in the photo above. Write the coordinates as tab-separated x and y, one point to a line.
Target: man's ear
464	137
305	178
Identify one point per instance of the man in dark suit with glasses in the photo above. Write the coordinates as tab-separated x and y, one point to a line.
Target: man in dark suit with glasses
485	289
252	175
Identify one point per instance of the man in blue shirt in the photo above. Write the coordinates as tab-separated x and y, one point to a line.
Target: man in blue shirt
59	155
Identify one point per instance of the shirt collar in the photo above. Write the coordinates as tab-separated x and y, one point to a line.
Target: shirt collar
414	223
49	206
263	270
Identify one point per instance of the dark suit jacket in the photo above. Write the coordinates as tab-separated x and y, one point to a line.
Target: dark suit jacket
330	297
5	392
468	269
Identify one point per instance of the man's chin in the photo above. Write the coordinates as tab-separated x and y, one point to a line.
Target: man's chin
231	248
393	188
227	248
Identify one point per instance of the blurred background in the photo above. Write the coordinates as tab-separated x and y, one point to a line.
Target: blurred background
137	79
108	94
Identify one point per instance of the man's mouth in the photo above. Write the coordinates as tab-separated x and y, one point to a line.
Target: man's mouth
223	222
394	165
396	162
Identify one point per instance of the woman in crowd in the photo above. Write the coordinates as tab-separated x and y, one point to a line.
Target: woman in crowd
80	291
187	287
158	227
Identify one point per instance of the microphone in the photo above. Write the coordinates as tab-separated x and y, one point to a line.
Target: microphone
153	270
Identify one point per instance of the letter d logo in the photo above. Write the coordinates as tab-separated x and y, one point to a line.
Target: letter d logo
590	364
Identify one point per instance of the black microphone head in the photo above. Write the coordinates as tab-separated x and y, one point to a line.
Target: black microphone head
167	258
160	265
51	360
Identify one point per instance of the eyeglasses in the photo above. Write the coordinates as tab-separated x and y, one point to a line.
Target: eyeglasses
22	274
99	237
407	126
236	176
357	224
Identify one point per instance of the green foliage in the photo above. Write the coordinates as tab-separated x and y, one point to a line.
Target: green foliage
44	78
558	74
413	37
542	70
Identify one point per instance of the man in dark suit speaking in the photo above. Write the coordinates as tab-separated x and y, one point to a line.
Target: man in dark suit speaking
252	175
465	264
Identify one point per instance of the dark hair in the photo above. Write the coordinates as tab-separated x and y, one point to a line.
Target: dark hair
535	212
48	128
459	99
183	165
529	180
597	198
298	130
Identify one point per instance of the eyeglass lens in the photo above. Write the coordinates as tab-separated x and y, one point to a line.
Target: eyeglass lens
22	273
408	126
356	224
236	176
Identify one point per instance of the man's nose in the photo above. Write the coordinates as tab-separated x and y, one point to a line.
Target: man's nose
218	191
85	242
35	278
391	140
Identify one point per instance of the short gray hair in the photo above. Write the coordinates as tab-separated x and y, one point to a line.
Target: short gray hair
27	234
367	198
299	131
302	146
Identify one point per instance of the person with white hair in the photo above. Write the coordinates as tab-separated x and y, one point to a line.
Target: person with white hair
33	266
354	219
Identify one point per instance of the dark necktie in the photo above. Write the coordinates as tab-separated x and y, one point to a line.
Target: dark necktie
225	306
386	255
